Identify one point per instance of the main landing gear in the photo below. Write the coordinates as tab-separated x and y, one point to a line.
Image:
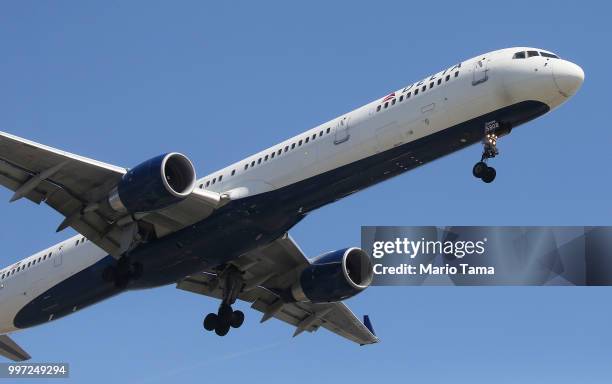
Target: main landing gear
481	170
226	317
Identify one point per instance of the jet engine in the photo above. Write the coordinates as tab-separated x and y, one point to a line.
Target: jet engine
154	184
334	276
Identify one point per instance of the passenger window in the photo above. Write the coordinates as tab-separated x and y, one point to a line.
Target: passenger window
447	77
314	136
457	74
393	102
532	53
286	148
321	133
423	88
300	142
408	95
293	146
273	154
519	55
401	98
386	104
431	85
259	161
279	151
252	163
307	139
416	91
439	81
266	158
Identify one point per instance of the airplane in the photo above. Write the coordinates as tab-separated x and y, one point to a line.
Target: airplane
226	235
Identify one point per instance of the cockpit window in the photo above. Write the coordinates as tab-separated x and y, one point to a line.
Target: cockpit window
546	54
532	53
519	55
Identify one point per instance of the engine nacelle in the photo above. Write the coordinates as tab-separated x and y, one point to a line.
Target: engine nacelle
155	184
334	276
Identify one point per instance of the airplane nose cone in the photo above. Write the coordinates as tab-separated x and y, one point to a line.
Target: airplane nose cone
568	77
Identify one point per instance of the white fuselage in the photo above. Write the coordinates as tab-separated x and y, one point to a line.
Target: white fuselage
462	92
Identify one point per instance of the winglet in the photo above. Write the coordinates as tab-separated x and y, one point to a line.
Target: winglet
12	351
368	324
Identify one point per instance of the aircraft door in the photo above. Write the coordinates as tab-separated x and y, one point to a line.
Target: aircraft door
342	133
480	74
57	258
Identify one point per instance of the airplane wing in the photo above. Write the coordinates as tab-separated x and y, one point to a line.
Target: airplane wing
272	269
75	186
12	351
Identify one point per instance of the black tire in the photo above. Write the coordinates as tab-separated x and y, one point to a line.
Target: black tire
225	313
237	319
222	329
210	322
489	175
479	169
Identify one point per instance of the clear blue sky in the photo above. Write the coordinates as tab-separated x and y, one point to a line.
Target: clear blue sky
124	81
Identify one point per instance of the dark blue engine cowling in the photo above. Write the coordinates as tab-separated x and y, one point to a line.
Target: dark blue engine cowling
155	184
334	276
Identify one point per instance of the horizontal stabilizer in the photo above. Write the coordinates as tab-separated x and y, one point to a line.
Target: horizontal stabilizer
10	350
368	324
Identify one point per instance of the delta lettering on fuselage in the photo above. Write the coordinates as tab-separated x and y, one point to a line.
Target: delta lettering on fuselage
431	78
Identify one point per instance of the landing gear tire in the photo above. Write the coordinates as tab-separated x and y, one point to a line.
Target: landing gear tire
237	319
225	313
210	322
222	329
489	175
479	169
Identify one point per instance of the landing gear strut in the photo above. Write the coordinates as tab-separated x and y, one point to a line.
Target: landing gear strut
481	170
226	317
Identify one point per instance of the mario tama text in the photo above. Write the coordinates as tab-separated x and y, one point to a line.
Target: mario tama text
430	269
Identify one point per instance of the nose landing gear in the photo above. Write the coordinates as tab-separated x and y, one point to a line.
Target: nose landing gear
481	170
226	317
